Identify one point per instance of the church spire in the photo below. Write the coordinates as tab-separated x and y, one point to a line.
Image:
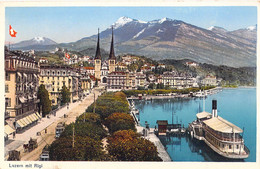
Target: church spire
112	53
98	55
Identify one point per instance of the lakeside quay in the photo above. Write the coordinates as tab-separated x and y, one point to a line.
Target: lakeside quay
174	95
151	137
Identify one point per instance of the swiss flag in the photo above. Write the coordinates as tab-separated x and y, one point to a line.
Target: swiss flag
12	32
67	55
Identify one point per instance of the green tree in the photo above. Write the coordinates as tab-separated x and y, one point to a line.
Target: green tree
85	149
120	121
92	130
65	95
126	145
45	102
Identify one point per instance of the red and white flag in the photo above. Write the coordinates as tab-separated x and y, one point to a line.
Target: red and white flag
12	32
67	55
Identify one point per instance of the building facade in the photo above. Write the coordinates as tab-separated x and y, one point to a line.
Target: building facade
21	87
54	77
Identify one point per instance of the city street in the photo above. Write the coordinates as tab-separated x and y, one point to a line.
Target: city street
46	126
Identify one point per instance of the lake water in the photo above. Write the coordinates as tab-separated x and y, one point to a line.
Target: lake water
235	105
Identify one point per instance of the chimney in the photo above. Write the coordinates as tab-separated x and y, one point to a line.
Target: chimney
214	108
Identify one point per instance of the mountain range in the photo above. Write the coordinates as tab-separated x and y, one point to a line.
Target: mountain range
167	39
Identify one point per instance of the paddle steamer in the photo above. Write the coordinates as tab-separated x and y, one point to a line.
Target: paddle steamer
219	134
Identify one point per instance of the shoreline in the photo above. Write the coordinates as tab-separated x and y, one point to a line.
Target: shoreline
151	137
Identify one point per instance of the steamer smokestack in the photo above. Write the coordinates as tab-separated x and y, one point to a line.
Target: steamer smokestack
214	108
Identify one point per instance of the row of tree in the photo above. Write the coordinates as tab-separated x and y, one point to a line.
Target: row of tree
165	91
124	144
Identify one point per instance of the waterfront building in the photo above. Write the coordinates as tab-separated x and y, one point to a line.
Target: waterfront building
209	81
140	79
178	81
21	86
56	76
116	81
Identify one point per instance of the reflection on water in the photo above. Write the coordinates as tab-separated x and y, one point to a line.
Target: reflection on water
235	105
196	150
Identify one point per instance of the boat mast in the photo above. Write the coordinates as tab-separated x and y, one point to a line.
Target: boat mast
203	102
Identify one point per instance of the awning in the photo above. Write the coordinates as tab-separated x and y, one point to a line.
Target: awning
8	129
22	99
26	121
19	74
35	116
19	124
30	121
38	115
31	118
25	75
23	122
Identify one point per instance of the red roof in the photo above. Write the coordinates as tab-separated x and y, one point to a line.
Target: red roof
89	68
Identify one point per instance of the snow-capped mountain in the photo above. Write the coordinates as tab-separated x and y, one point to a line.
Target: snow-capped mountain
167	38
252	28
36	41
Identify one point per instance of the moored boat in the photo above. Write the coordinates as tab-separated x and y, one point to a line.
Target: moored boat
219	134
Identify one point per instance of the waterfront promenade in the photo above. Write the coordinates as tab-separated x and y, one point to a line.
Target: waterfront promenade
46	126
153	138
150	136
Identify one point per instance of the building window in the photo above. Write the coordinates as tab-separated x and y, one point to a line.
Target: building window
53	83
8	102
237	146
7	76
53	89
230	147
6	89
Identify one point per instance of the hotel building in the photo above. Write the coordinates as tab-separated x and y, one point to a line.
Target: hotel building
21	86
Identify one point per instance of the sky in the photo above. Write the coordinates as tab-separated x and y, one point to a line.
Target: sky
69	24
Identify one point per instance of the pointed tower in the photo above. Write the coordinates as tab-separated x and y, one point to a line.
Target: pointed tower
112	58
98	60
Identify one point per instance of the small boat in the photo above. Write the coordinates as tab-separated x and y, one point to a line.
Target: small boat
219	134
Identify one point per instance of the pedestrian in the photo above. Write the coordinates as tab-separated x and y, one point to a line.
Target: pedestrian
13	135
